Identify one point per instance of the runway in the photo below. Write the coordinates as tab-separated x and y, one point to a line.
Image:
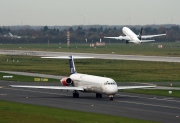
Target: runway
148	107
99	56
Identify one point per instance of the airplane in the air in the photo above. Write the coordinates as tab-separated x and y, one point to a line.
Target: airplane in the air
86	83
130	36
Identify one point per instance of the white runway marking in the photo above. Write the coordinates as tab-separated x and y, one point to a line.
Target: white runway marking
3	94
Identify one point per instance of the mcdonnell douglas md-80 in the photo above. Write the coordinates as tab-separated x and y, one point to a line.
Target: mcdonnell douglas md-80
130	36
85	83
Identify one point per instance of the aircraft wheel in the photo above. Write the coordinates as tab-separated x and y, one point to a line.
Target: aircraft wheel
111	98
98	95
74	95
77	95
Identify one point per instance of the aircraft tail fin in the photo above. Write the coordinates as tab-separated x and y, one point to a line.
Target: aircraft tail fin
10	34
72	66
140	34
71	61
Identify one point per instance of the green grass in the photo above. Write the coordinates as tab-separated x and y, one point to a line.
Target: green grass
21	78
175	93
23	113
119	70
169	49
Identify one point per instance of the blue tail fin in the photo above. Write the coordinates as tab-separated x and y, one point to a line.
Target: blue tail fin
71	60
72	66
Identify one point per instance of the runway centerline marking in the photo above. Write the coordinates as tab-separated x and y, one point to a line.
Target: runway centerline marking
3	94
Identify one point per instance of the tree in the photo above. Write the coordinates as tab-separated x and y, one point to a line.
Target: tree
45	28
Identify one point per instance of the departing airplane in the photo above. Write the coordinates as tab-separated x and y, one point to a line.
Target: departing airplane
85	83
13	36
10	35
132	37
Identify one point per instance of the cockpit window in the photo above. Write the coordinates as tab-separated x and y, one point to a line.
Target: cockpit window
110	83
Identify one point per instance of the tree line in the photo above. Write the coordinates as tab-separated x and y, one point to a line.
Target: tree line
81	34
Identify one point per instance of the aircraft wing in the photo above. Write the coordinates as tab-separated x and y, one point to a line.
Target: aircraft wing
151	36
133	87
119	38
49	87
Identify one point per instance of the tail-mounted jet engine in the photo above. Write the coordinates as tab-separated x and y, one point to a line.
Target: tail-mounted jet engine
66	81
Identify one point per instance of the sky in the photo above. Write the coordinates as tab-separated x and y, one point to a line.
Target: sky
89	12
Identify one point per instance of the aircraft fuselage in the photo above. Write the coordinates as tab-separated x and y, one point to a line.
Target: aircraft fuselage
131	35
96	84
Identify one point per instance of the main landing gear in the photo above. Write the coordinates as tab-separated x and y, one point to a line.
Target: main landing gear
98	95
75	94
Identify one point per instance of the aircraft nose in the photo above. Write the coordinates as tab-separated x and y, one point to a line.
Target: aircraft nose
113	90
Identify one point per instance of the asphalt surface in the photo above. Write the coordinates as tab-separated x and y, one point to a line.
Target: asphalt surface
148	107
99	56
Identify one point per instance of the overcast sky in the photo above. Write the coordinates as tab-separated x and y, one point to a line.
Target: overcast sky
88	12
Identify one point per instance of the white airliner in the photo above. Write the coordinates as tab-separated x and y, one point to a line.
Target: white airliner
13	36
130	36
85	83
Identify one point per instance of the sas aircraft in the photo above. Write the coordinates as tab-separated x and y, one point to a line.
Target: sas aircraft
130	36
85	83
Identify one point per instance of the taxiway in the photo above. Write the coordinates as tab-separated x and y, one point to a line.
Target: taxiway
99	56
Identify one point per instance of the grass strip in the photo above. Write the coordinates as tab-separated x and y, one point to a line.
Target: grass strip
119	70
21	78
24	113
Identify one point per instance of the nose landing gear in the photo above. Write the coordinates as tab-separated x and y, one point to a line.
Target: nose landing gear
111	97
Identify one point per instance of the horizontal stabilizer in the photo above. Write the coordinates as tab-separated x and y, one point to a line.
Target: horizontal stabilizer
67	57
